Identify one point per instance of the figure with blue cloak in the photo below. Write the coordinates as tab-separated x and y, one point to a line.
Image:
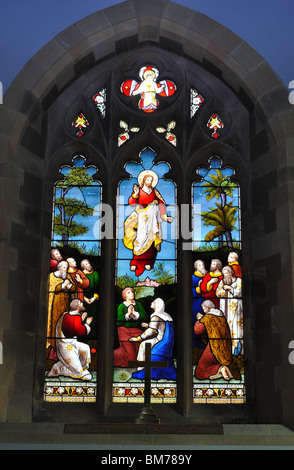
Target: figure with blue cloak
197	278
160	334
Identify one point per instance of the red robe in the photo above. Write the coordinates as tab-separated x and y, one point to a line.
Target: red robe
53	264
208	292
237	268
149	257
72	326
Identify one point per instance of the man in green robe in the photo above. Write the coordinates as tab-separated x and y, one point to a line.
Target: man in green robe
131	316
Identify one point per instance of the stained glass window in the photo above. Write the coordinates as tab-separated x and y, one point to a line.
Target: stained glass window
145	284
217	310
73	297
146	273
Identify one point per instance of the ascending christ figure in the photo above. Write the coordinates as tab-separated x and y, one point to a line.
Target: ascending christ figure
142	229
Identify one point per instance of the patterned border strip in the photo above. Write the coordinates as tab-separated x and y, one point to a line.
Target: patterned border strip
135	394
70	392
219	394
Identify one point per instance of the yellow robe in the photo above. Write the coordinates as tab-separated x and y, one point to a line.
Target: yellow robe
58	303
219	338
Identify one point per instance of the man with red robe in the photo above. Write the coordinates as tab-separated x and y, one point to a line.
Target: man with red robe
142	229
211	280
73	356
233	261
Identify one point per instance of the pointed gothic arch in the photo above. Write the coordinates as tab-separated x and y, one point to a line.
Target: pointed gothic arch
77	63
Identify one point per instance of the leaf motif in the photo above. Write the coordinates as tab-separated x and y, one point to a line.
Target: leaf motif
212	192
123	125
213	218
214	234
122	138
160	129
171	138
171	125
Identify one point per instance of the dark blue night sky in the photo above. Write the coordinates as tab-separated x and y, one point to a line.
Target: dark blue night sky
26	26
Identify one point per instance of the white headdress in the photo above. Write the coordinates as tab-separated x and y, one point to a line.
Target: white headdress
160	310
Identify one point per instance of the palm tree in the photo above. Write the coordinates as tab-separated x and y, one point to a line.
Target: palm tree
223	218
220	187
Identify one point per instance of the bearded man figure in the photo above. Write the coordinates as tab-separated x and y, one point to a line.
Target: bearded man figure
216	360
56	257
74	357
142	229
79	279
229	290
211	280
61	288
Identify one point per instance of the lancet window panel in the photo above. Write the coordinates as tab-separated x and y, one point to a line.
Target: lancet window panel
146	274
217	287
73	286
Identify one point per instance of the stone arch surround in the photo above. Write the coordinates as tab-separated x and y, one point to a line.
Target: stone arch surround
23	115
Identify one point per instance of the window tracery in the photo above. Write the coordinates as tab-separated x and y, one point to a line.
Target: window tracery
100	101
146	262
80	123
196	100
148	88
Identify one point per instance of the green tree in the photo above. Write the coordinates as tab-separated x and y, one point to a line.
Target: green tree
69	207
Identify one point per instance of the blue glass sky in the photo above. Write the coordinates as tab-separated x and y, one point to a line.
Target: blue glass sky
201	204
167	191
267	25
